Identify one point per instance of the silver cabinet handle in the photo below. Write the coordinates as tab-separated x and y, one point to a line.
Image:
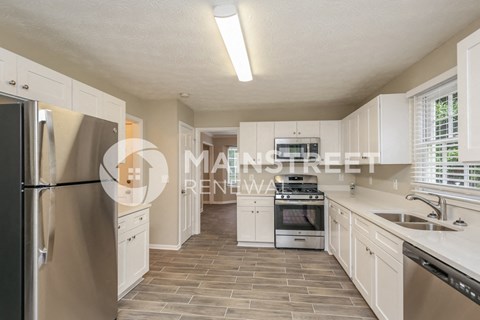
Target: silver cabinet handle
25	86
12	82
300	239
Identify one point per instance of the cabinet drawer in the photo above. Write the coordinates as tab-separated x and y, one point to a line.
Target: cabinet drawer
255	201
362	225
122	225
388	242
139	218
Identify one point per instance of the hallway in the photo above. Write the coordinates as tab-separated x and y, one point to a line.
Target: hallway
212	278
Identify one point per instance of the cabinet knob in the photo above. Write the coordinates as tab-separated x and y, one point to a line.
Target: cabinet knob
294	132
134	237
141	218
253	211
257	212
129	239
25	86
118	227
12	82
299	133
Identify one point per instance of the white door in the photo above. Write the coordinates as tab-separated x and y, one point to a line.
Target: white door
344	245
362	265
264	224
246	224
186	183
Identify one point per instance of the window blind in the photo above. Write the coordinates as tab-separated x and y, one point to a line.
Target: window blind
435	143
232	154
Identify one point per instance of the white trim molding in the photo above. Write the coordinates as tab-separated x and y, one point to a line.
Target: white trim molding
222	202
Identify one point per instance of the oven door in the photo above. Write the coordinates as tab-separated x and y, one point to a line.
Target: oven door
286	150
305	215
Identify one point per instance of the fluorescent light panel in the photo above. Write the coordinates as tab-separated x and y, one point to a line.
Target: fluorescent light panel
229	25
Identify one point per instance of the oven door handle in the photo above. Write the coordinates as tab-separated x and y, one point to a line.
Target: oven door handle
299	203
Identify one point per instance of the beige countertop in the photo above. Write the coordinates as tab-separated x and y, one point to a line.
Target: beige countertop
460	249
124	210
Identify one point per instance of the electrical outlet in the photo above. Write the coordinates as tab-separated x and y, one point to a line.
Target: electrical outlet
370	180
395	184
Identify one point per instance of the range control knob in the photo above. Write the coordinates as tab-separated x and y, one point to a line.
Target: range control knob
311	197
288	197
283	197
316	197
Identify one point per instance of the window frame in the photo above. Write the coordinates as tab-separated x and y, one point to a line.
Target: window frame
236	166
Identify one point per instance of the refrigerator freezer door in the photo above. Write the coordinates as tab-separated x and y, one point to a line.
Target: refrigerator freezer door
62	146
73	272
11	225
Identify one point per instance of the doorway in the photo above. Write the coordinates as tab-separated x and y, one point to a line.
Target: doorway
131	170
217	186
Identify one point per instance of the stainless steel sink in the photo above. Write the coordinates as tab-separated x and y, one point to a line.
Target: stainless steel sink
429	226
400	217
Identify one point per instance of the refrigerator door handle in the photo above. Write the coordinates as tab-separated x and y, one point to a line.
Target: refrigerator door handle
45	116
46	249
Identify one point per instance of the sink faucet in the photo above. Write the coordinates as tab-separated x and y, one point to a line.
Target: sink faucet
440	207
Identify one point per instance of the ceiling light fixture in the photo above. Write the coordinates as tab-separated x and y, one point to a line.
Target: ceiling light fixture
228	23
184	95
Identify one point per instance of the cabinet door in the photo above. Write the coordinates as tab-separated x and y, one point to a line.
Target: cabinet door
85	99
264	224
373	126
363	131
246	223
362	263
468	59
353	132
122	263
387	300
343	252
330	142
333	233
248	142
8	72
37	82
137	253
308	129
265	142
286	129
345	137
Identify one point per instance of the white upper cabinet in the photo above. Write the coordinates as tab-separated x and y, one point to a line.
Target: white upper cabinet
86	99
330	139
37	82
297	129
8	72
286	129
379	129
468	56
114	109
256	140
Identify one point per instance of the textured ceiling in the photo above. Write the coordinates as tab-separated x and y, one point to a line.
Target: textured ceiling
303	53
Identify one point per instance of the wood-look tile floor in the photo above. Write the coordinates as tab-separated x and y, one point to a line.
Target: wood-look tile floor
212	278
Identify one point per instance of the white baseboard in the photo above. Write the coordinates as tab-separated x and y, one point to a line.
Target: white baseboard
174	247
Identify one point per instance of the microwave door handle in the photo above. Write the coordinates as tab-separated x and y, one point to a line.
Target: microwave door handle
45	117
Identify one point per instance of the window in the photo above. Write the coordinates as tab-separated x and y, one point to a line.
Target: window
435	144
232	157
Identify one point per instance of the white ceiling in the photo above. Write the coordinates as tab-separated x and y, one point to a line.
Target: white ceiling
303	53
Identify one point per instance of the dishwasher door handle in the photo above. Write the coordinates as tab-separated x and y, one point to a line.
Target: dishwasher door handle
435	270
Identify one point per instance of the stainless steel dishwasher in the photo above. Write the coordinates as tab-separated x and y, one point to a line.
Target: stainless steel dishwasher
435	290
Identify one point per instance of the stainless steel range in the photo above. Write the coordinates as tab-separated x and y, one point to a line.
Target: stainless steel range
299	212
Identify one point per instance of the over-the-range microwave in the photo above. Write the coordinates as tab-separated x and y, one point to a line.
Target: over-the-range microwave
297	149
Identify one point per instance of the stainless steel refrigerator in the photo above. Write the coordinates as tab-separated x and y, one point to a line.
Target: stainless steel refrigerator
58	251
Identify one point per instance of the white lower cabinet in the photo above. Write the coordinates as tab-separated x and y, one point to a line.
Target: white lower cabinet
377	275
255	221
133	250
339	238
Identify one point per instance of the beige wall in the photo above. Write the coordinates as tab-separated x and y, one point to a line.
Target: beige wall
223	193
438	61
208	119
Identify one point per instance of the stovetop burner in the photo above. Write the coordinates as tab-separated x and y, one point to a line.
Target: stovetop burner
297	187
